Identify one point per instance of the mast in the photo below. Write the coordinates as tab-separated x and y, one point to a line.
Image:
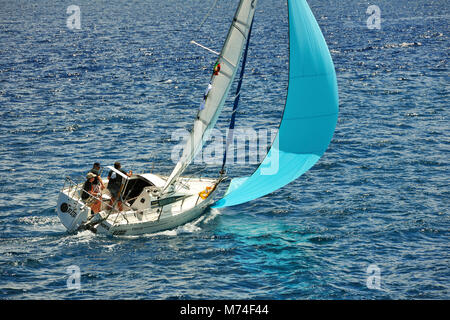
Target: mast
219	86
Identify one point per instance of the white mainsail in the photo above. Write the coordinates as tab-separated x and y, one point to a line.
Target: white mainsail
220	84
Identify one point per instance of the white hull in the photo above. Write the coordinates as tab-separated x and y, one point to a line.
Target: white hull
167	221
144	214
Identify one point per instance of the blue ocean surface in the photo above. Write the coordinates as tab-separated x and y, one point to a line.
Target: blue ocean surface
369	221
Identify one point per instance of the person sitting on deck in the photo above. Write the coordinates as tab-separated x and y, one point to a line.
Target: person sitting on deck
115	183
91	193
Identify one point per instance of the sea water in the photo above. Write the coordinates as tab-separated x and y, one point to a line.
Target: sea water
111	81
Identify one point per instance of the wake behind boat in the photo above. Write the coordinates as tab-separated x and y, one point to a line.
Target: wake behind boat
152	203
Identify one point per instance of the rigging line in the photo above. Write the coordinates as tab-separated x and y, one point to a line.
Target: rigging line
236	101
207	15
200	26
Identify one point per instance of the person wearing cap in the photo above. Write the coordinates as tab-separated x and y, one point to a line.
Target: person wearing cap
96	170
91	192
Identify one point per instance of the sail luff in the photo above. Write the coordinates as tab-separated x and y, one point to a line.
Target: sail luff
220	83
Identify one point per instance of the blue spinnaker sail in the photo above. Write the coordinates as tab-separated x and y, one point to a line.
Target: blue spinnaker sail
309	117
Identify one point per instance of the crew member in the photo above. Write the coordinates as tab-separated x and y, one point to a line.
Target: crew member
115	184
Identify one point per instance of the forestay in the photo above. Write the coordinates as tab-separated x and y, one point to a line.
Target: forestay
220	84
309	117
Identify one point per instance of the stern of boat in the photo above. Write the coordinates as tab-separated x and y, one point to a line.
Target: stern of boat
70	209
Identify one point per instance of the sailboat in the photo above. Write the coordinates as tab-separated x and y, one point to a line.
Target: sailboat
153	203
